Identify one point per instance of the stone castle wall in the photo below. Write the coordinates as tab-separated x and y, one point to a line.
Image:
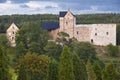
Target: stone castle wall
103	34
82	33
98	34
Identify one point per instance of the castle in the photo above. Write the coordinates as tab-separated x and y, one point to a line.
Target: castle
97	34
11	33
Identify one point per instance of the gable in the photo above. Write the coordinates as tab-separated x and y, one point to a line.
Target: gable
13	27
69	14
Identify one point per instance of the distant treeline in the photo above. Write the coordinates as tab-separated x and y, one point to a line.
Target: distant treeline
6	20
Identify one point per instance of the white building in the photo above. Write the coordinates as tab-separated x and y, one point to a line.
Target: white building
11	33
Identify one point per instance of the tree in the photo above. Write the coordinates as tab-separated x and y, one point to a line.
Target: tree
4	41
66	65
118	34
110	73
90	71
35	66
33	37
21	50
63	38
113	50
85	51
21	73
79	68
4	74
52	70
53	50
98	71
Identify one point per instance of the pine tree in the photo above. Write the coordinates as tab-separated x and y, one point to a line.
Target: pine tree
97	70
4	74
79	68
109	73
66	65
90	71
53	70
22	74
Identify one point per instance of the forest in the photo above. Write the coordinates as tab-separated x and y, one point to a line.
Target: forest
37	58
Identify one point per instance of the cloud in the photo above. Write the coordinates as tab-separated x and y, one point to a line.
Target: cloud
24	6
32	7
8	7
41	4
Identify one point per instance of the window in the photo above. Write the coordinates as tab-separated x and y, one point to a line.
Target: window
107	33
95	34
13	33
77	32
12	38
91	40
66	23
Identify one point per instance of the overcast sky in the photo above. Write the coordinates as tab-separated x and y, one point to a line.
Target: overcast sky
8	7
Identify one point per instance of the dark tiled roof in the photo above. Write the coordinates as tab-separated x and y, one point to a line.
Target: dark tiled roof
50	25
62	14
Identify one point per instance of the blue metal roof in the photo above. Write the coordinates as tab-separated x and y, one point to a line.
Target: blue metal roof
50	25
62	14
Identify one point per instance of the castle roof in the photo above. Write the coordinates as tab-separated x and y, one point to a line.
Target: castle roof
50	25
62	14
13	27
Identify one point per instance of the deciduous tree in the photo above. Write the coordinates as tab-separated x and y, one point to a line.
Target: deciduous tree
53	50
4	69
35	66
85	51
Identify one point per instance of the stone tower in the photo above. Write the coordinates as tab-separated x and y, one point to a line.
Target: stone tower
66	23
11	33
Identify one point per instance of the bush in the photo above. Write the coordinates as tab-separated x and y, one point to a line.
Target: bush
113	50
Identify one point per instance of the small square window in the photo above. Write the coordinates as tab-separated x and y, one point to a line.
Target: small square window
95	34
66	23
91	40
77	32
107	33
